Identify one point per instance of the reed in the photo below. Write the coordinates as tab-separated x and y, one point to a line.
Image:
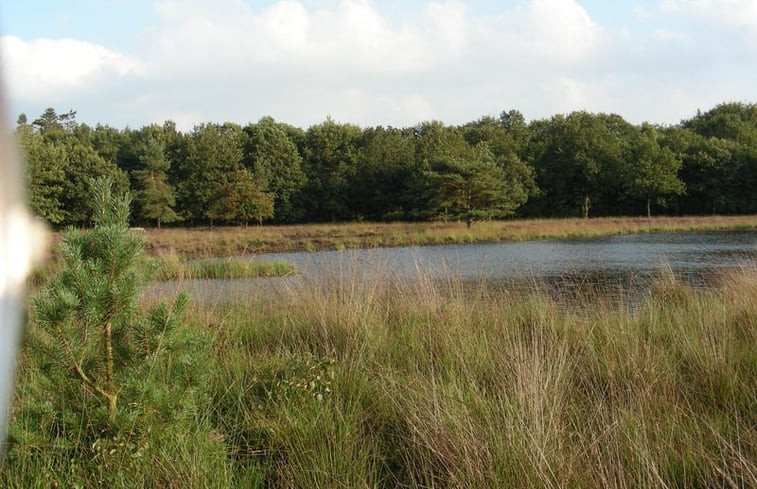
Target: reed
432	385
385	382
168	266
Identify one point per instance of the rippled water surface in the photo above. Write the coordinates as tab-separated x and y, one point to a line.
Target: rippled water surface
618	262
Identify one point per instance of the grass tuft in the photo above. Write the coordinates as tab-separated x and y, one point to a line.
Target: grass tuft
385	382
169	266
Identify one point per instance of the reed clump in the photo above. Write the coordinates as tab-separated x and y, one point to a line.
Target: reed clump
379	382
168	266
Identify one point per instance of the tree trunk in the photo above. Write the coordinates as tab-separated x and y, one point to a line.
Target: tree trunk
469	222
586	206
110	381
158	223
112	399
649	207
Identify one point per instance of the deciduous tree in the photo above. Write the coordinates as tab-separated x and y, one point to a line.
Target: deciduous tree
273	158
330	162
651	171
242	200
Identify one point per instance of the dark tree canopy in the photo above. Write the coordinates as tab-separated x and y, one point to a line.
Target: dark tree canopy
272	156
577	164
154	196
473	191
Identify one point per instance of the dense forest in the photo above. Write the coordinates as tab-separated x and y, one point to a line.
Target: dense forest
579	164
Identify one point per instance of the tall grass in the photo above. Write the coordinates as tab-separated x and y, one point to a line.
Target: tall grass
419	384
169	266
383	383
231	241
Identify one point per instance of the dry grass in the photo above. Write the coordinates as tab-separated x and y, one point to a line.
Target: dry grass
380	382
421	384
229	241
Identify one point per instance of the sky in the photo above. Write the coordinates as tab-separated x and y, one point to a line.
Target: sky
370	62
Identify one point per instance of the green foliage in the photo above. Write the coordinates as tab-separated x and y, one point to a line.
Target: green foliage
577	164
84	164
241	200
733	121
61	161
514	124
651	170
576	158
110	144
47	162
155	197
355	384
91	343
501	138
170	267
370	382
435	140
214	151
733	125
52	124
89	324
330	160
388	178
275	161
474	191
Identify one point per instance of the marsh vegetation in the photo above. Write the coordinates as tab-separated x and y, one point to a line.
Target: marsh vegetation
235	241
416	383
378	380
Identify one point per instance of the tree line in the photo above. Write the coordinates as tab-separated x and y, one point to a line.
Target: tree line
577	164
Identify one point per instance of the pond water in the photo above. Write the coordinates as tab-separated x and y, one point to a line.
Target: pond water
609	263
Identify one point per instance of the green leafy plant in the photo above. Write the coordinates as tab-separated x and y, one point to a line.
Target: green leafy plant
90	325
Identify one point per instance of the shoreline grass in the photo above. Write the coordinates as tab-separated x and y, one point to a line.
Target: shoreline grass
168	266
233	241
380	383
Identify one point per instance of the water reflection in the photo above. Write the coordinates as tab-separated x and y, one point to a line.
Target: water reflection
620	266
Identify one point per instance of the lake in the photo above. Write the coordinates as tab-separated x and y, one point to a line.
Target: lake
613	264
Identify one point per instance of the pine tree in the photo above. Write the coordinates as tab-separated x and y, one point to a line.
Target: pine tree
155	196
89	321
476	191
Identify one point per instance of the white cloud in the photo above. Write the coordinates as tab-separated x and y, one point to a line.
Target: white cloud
557	29
668	36
44	68
566	94
541	32
348	59
352	38
184	121
741	14
299	61
642	13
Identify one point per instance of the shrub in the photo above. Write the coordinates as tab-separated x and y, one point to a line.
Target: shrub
90	326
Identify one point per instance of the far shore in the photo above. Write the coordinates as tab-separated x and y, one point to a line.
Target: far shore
235	241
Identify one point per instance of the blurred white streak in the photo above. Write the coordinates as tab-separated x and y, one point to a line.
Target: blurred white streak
22	241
